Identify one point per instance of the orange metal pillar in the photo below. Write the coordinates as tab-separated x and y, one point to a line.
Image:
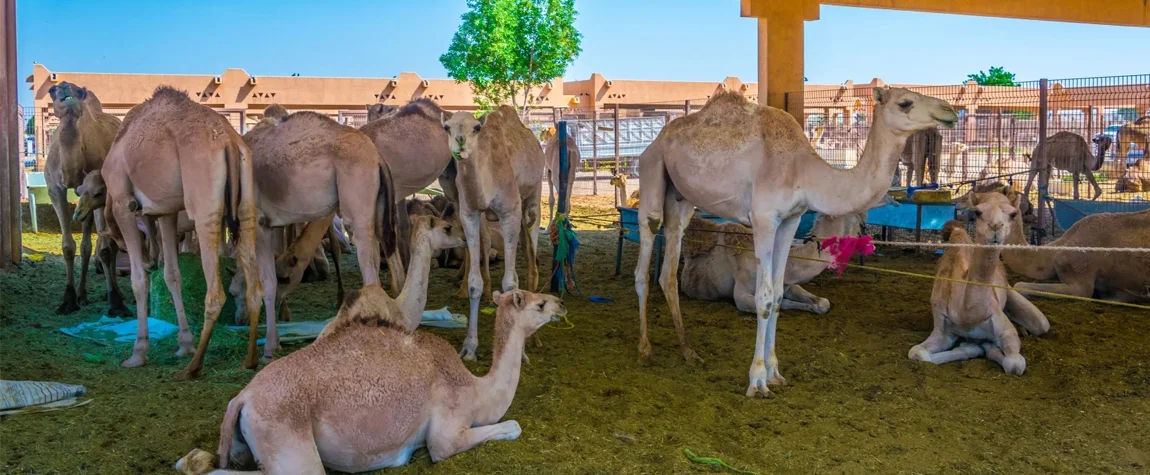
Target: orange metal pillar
781	57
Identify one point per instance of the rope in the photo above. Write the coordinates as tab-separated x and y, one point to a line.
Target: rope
1015	247
958	184
714	461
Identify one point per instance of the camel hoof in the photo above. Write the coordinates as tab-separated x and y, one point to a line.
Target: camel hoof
69	304
691	357
1015	365
645	353
188	373
918	353
758	388
526	360
135	361
265	359
83	300
119	311
777	380
468	354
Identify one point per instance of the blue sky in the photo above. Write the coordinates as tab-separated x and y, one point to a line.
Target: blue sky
634	39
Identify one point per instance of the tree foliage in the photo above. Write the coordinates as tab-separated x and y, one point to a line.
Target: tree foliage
506	47
998	76
30	126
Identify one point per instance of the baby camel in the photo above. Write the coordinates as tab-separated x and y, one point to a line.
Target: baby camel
978	314
312	409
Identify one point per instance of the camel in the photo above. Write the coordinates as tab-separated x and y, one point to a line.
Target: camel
1119	276
166	145
377	110
1136	179
428	235
923	150
1137	132
80	144
622	199
817	135
499	167
313	410
719	262
752	164
551	152
412	142
982	317
1069	152
307	166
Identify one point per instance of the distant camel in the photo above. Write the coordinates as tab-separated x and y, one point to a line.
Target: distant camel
922	150
1067	151
1137	132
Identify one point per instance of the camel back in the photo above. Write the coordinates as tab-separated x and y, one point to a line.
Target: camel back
728	121
703	235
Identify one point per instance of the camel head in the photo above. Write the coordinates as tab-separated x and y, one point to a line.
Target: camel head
275	111
377	110
440	234
92	194
546	134
462	133
528	311
995	213
67	100
1104	142
619	180
907	112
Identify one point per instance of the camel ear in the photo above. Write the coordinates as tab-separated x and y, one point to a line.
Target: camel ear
52	92
495	297
443	118
880	95
1013	196
972	198
483	120
517	299
82	93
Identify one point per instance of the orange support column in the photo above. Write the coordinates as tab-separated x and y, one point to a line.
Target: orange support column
781	57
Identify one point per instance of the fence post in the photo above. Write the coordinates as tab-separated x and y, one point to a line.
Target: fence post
557	278
1089	122
998	137
1043	177
594	152
686	107
616	170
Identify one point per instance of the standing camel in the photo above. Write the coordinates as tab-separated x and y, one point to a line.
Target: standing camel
1066	151
922	151
167	145
1137	132
752	164
80	145
500	170
306	167
551	152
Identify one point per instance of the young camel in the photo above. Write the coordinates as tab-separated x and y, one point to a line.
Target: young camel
551	153
983	317
922	150
1136	179
79	146
719	262
1067	151
499	166
167	145
752	164
622	199
306	167
312	409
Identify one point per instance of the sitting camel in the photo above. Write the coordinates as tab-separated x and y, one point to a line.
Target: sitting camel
167	145
551	154
752	164
306	167
1136	179
79	146
1137	132
622	199
719	262
981	316
499	165
1069	152
312	409
922	151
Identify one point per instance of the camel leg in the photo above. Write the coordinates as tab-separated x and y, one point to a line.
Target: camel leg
485	245
1034	167
1076	181
134	242
1093	184
445	442
919	166
337	228
677	213
530	226
797	298
299	259
651	196
269	281
936	343
210	232
510	222
85	256
334	248
1080	285
68	246
773	238
470	220
152	238
1006	351
106	250
964	351
464	271
1024	313
167	225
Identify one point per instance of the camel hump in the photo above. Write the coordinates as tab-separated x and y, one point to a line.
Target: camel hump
366	307
275	111
165	92
422	106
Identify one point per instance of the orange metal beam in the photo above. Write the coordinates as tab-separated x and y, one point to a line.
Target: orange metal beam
1111	12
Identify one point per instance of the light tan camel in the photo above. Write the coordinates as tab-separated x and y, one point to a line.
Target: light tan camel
343	403
1067	151
982	317
306	167
1136	179
922	150
80	144
377	110
167	145
752	164
1137	132
500	170
621	197
719	262
551	152
817	135
1120	276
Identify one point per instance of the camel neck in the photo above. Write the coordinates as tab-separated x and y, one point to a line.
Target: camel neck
413	298
983	263
835	191
474	176
497	387
621	194
1033	265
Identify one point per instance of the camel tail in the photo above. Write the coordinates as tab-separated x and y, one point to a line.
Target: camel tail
228	430
387	221
234	155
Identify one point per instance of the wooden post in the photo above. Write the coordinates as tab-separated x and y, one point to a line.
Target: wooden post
1012	139
557	279
1089	122
686	107
998	137
616	170
594	152
1043	177
10	243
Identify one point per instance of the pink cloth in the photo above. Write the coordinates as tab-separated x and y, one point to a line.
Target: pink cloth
842	248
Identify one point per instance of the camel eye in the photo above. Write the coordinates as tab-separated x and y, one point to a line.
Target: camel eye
904	105
477	127
447	230
447	128
542	305
1014	215
977	213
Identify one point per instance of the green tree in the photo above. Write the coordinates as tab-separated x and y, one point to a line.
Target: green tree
996	77
506	47
30	127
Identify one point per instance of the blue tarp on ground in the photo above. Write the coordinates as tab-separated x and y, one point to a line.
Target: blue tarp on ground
121	330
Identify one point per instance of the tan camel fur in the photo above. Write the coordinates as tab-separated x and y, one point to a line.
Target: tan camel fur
79	146
981	317
1119	276
922	150
1137	132
1136	179
551	153
500	169
721	265
167	145
377	110
306	167
752	164
622	199
314	409
1066	151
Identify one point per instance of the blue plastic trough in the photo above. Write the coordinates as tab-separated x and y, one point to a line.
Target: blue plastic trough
1068	212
